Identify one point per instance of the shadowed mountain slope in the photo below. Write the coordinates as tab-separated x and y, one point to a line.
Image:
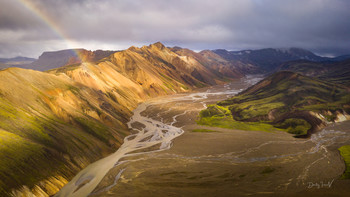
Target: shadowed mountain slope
213	62
51	127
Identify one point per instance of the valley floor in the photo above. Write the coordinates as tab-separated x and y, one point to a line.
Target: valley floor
225	162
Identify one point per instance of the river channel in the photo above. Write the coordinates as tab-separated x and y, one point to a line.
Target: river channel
164	157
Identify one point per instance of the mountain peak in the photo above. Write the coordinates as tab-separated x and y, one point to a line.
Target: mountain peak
158	45
133	48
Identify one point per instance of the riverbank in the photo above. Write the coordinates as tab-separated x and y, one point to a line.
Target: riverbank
230	162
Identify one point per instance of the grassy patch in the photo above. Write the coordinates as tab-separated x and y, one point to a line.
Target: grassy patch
345	153
21	123
94	128
249	110
214	110
295	126
23	162
203	130
230	123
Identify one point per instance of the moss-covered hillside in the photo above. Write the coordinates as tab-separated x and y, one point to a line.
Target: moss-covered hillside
52	127
284	100
345	153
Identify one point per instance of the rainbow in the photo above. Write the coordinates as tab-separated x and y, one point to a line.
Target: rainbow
51	23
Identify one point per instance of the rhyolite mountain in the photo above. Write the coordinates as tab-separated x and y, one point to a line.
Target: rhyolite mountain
55	123
214	63
286	100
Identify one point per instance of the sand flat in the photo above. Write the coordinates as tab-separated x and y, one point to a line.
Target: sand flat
230	162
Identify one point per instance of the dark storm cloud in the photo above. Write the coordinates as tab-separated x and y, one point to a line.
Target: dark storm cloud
322	26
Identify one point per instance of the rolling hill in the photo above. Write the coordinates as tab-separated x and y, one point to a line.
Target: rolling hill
286	100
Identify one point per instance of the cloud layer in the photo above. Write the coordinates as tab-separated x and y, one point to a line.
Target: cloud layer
29	27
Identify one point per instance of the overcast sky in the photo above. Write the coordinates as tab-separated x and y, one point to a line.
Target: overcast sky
29	27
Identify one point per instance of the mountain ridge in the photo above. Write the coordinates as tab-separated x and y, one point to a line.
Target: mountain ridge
221	61
76	114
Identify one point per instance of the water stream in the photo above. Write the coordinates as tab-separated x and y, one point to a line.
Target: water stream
156	134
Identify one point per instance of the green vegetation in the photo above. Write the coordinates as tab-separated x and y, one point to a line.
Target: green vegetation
295	126
203	130
171	83
345	153
230	123
19	122
95	128
215	110
40	137
23	162
218	116
282	101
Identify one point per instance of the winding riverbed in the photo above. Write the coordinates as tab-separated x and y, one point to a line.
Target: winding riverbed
232	162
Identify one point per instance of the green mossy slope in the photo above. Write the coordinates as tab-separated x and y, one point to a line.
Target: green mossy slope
345	153
51	126
283	100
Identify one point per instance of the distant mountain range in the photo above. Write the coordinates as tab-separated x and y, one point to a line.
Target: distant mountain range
338	72
269	59
56	59
228	63
16	61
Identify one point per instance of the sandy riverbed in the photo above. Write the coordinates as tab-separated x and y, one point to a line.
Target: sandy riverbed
230	162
